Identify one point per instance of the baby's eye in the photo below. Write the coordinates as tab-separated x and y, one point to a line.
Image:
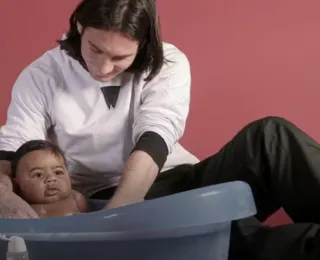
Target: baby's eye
59	172
38	175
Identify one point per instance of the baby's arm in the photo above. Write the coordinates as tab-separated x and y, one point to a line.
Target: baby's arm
81	201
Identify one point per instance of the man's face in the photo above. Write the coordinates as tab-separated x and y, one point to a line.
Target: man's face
42	177
106	53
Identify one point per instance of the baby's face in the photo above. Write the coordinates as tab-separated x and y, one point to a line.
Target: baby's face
42	177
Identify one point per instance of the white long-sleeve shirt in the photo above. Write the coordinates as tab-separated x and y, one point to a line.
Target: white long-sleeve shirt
55	94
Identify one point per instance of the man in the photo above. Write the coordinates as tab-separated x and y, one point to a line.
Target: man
117	99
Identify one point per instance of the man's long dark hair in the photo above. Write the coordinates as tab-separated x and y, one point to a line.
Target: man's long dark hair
137	19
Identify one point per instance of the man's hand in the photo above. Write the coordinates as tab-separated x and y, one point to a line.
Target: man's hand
139	174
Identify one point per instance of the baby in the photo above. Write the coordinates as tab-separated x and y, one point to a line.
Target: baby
41	178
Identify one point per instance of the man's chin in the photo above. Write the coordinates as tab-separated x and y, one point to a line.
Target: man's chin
105	78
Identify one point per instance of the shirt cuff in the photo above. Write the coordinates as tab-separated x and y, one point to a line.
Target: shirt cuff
154	145
6	155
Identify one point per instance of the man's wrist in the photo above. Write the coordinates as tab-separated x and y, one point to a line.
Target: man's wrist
138	176
116	203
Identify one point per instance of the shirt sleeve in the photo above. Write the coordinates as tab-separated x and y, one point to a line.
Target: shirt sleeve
165	102
27	117
154	145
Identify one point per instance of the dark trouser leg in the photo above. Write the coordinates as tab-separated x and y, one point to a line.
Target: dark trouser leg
279	161
251	240
282	166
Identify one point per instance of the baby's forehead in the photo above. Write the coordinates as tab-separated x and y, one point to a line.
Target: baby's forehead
43	153
42	158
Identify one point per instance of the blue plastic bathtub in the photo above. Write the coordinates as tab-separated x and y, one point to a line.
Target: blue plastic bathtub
185	226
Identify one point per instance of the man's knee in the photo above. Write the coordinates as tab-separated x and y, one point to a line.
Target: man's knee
273	120
274	124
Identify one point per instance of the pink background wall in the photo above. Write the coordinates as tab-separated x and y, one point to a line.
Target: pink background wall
249	59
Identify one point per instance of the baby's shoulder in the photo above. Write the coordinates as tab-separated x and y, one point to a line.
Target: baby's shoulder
81	201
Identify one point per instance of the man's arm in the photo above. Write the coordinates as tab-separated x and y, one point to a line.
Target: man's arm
159	124
138	176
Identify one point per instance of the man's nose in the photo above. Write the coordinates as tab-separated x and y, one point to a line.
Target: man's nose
105	67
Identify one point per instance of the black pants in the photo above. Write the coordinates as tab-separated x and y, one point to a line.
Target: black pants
282	165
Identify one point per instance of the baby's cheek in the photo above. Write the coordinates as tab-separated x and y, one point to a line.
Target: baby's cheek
33	190
66	184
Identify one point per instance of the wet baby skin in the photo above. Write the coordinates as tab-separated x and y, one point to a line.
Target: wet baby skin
43	181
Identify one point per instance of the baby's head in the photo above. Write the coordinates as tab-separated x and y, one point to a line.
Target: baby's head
40	172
